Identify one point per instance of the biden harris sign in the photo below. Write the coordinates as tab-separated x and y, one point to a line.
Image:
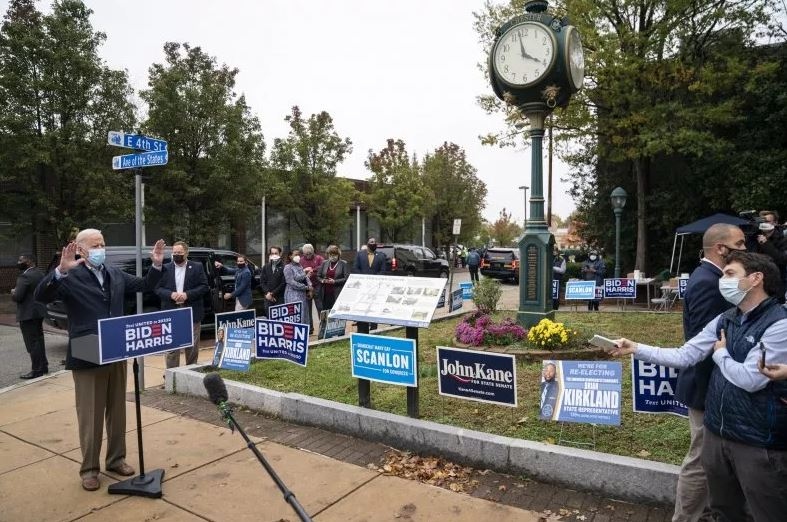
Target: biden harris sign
121	338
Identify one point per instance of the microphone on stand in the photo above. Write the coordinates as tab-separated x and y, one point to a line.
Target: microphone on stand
217	393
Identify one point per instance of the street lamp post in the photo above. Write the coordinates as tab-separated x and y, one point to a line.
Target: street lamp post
525	187
618	202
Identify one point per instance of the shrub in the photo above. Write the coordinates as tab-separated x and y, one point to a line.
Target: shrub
549	335
486	294
478	329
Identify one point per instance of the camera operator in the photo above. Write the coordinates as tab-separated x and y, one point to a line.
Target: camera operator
772	217
771	243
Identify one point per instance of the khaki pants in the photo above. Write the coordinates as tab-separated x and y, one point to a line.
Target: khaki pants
192	352
101	392
691	498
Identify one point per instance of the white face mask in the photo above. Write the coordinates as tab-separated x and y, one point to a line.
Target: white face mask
593	257
730	290
273	257
296	259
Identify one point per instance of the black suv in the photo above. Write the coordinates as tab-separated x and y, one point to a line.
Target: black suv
412	260
501	263
124	258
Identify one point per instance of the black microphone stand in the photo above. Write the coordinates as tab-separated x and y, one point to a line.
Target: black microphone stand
289	496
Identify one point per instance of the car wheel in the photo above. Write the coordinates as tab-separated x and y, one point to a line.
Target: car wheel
411	272
444	274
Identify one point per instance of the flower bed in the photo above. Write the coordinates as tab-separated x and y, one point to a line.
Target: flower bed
478	329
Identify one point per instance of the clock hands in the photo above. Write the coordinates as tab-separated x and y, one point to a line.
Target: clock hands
524	53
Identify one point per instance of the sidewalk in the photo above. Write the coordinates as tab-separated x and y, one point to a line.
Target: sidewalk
209	472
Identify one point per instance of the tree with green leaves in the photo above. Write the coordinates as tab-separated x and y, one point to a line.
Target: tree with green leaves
504	230
314	199
455	191
397	197
216	148
57	102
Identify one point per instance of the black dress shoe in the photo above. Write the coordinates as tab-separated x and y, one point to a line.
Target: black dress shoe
31	375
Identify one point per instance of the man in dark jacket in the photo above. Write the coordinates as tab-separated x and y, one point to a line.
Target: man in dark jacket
90	291
702	302
744	447
184	284
594	269
30	315
242	291
272	279
369	261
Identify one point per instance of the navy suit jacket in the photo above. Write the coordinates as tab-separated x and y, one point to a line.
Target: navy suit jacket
26	306
702	301
86	302
195	284
362	266
242	290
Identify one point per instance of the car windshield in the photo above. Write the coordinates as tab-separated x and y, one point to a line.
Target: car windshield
500	255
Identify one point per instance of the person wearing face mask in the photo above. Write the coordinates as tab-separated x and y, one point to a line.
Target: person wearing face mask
184	284
297	284
242	291
272	279
702	302
369	261
332	275
771	243
311	262
92	290
30	315
744	448
594	269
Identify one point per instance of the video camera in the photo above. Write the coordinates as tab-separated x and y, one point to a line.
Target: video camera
752	228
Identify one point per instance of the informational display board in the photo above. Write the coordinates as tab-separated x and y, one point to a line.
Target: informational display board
620	288
653	389
404	301
477	376
581	391
234	353
390	360
580	290
281	340
121	338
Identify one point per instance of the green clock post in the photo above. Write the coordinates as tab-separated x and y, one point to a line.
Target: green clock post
536	64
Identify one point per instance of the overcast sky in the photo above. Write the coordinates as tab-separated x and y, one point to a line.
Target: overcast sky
404	69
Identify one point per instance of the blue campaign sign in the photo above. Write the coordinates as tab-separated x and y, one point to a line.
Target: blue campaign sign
555	289
240	319
580	290
456	302
653	387
135	141
682	284
281	340
581	391
467	289
620	288
288	312
235	352
477	376
121	338
144	159
390	360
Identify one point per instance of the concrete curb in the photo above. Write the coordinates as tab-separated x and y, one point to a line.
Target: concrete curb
624	478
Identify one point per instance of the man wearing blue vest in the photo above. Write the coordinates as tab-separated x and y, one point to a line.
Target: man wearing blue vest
744	449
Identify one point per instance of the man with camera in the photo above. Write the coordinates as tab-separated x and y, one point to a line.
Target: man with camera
771	242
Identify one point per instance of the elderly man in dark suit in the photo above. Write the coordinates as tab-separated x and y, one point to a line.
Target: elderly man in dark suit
184	284
30	315
90	291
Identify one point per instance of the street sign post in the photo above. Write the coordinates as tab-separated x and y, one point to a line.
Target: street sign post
143	159
135	141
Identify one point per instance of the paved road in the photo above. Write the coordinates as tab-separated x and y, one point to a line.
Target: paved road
14	360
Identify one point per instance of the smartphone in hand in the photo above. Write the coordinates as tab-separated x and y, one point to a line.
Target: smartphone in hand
603	342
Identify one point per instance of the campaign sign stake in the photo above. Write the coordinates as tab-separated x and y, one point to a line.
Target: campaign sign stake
389	360
653	387
288	312
477	376
280	340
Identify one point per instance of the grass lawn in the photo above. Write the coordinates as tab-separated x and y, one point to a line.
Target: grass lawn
662	438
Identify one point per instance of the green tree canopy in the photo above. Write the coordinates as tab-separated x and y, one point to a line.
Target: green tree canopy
505	230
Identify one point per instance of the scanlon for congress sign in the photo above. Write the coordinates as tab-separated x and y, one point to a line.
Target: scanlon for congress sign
405	301
477	376
121	338
390	360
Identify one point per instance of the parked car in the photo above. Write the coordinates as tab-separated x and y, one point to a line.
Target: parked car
412	260
501	263
124	257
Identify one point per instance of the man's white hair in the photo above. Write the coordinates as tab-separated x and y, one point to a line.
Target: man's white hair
308	248
86	233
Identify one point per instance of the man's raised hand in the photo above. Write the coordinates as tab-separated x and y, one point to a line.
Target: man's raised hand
68	258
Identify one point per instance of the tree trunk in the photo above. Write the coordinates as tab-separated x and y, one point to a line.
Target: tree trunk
642	172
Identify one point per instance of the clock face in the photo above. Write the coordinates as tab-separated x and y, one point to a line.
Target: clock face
575	57
524	54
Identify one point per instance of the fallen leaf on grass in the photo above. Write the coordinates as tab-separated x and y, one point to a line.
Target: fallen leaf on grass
502	487
644	453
